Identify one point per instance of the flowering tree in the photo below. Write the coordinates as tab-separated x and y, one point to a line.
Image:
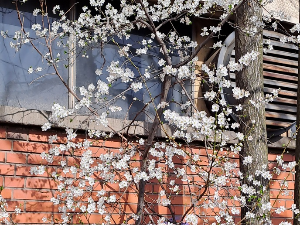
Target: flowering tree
137	45
249	19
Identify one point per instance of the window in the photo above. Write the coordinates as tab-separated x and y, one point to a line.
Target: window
18	88
40	89
130	101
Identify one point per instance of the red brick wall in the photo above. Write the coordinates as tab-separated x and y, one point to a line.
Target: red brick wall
20	148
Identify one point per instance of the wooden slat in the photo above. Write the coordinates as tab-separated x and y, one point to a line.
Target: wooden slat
283	45
280	68
280	84
281	116
276	83
278	107
268	65
286	101
283	53
282	92
280	60
270	33
273	52
280	76
278	123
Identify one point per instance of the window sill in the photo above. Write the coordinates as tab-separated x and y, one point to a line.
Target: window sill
34	117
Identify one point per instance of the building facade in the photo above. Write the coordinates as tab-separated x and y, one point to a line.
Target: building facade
26	101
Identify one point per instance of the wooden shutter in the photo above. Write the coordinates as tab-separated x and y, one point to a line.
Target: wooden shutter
280	71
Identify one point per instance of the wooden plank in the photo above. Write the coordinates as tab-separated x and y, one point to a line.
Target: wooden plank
286	101
280	76
270	33
280	60
283	45
283	53
281	116
275	83
280	84
272	106
273	75
282	92
278	123
274	52
280	68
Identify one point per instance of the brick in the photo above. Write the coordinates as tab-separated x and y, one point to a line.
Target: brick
14	182
284	176
5	144
277	184
288	203
12	157
32	194
25	171
285	214
274	194
106	143
112	144
98	143
72	161
6	193
189	189
2	132
181	200
207	212
11	205
24	146
97	219
127	197
41	136
111	187
149	188
30	218
162	210
37	206
277	203
2	156
17	135
38	137
41	183
97	151
128	208
7	169
278	221
36	159
286	157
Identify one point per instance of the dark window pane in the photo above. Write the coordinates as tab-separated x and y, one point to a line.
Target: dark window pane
18	88
97	58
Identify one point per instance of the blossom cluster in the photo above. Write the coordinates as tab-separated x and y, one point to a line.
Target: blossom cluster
213	174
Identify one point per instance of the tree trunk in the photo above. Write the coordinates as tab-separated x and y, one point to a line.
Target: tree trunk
252	119
297	150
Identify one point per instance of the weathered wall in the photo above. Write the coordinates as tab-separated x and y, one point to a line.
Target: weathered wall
288	7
